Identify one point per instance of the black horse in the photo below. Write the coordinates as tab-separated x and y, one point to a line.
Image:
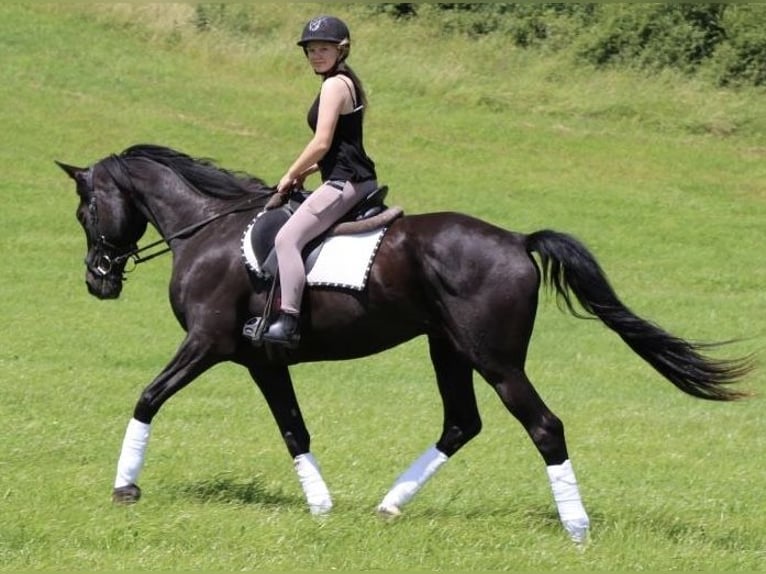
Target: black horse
470	287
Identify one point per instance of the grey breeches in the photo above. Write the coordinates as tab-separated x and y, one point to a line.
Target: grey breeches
323	207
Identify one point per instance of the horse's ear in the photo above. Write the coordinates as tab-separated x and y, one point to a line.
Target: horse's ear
76	173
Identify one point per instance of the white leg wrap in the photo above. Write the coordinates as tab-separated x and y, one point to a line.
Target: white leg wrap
411	481
132	455
567	496
314	487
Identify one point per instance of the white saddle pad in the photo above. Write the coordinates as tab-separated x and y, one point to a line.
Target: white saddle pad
344	260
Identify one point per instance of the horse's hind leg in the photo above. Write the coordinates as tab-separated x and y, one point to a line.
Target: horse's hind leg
547	433
461	424
493	328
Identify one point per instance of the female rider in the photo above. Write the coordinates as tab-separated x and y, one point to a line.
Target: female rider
336	151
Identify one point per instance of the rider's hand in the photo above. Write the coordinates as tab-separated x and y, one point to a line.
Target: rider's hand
286	184
298	183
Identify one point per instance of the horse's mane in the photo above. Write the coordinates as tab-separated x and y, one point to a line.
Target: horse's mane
201	173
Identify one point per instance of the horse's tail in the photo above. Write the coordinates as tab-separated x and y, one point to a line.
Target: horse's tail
568	266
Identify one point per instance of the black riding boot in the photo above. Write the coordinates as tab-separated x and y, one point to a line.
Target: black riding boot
284	331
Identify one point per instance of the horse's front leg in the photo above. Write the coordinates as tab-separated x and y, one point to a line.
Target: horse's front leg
192	359
277	388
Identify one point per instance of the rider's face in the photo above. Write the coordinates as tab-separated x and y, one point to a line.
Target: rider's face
322	56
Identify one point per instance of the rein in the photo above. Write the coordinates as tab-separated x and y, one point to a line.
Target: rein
135	254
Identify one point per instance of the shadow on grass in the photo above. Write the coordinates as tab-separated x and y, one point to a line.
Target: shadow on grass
687	532
228	489
534	517
543	514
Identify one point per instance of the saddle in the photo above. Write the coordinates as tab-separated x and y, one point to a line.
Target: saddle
354	238
258	240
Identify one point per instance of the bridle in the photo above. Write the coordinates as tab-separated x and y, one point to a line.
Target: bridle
100	259
101	263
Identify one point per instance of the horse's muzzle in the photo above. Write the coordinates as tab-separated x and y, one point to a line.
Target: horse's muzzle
103	286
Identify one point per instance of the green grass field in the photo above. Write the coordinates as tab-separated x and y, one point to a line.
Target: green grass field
663	177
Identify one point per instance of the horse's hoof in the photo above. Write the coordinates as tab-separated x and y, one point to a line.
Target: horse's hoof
128	494
321	508
388	511
577	530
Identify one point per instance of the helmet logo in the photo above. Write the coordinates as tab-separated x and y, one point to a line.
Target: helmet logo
316	24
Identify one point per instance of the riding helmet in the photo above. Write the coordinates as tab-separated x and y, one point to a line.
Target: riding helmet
325	29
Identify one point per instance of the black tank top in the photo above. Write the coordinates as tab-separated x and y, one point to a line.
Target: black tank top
346	159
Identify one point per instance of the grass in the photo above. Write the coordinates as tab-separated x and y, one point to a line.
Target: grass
661	176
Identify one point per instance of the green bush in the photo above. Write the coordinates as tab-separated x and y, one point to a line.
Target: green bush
727	41
740	59
527	24
654	36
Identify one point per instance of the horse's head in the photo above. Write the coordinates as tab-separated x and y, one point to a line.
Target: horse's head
112	224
